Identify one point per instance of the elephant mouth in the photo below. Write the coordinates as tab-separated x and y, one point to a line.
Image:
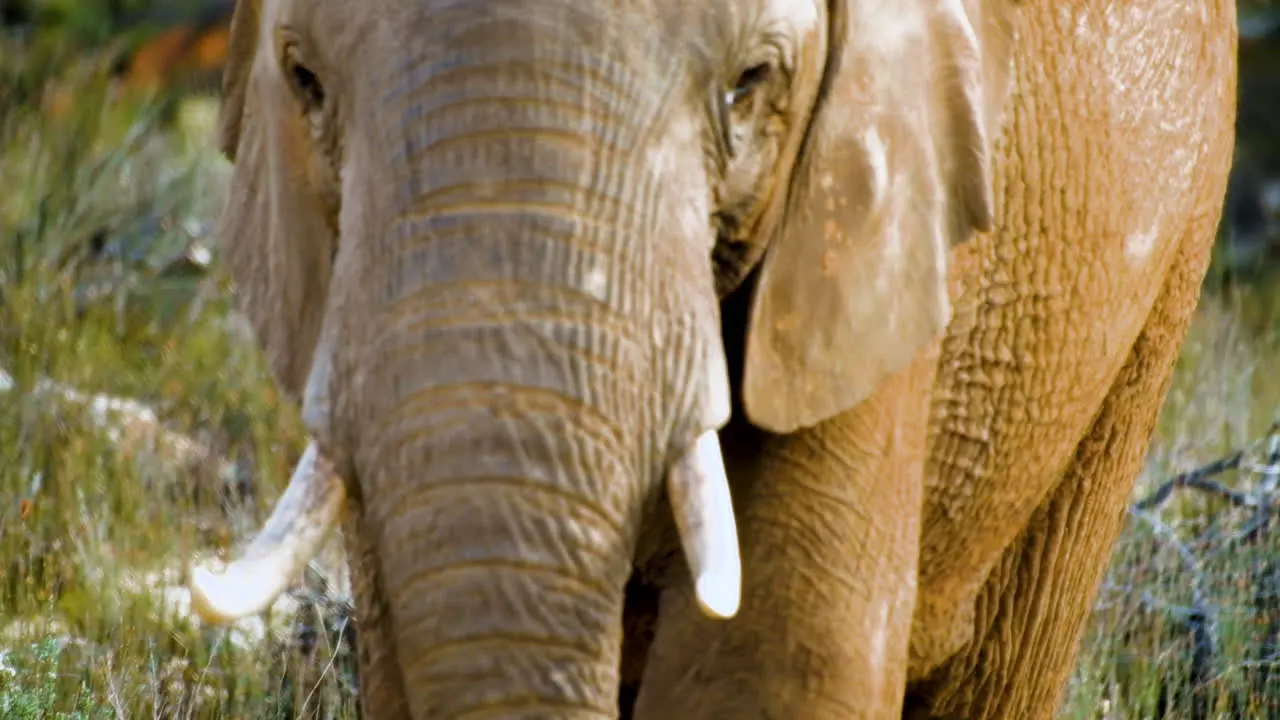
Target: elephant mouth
315	500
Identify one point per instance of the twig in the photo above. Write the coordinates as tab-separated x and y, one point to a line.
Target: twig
114	696
1265	571
1199	619
1198	479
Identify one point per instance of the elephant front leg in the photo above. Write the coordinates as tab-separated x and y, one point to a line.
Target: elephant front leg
1030	615
829	521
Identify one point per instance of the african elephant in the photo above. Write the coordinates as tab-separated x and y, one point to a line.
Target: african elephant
925	266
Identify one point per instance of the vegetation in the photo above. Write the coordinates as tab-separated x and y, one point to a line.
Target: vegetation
105	294
110	289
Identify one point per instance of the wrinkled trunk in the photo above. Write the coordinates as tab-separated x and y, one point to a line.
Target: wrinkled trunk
503	572
509	379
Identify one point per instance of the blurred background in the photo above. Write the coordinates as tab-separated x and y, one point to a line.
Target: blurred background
138	424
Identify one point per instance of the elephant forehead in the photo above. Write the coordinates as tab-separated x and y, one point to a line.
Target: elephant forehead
885	30
802	15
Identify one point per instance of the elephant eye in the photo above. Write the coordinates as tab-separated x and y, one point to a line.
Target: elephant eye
747	82
304	82
308	86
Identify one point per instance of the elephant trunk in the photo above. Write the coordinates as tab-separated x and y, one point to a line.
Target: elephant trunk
520	359
504	543
514	373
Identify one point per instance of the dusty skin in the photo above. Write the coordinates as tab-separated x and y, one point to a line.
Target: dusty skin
924	265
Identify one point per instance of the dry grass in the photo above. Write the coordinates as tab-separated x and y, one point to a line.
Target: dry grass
101	504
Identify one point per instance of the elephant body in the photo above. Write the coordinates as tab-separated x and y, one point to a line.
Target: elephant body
1067	320
926	267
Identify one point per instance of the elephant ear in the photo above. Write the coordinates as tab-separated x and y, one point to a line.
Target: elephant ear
241	48
278	231
894	171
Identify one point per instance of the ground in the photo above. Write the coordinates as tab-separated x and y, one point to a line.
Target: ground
138	426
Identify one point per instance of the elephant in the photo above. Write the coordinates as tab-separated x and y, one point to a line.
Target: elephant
721	359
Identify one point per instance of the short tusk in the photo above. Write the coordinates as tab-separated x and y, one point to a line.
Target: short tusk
699	492
302	517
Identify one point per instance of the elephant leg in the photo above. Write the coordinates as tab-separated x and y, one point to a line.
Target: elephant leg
639	621
829	522
1030	614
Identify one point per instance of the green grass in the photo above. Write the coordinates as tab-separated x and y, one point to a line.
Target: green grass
1146	647
99	511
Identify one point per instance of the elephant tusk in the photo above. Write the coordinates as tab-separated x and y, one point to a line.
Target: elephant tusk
699	492
302	517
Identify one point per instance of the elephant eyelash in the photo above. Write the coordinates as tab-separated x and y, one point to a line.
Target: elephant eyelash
724	103
721	130
748	82
737	98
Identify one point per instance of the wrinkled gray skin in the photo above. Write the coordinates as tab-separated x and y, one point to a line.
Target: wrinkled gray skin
497	235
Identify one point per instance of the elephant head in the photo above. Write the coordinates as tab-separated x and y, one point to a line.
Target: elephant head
485	242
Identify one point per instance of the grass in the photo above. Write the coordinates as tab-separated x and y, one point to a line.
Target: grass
1192	598
102	502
